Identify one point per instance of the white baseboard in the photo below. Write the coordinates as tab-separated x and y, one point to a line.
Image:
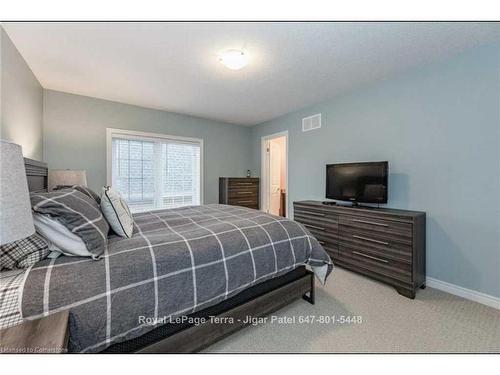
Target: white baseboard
469	294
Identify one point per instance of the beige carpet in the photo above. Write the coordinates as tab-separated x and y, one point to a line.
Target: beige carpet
434	322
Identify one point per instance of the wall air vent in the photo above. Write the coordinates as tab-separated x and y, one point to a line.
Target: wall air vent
311	122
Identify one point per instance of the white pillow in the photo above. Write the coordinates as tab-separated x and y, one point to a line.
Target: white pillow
59	237
116	211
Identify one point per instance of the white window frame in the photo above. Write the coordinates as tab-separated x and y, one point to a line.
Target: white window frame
132	134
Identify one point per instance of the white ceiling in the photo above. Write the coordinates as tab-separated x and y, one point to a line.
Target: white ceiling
174	66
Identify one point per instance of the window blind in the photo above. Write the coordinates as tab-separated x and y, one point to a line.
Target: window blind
156	173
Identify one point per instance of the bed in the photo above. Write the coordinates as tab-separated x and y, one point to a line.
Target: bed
187	278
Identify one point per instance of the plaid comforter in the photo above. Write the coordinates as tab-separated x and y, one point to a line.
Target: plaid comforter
177	262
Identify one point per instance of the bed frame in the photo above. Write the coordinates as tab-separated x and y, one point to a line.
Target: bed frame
232	314
36	174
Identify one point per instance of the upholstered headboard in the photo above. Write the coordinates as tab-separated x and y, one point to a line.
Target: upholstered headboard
37	175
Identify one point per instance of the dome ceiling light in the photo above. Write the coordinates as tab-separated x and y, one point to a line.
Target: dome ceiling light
233	59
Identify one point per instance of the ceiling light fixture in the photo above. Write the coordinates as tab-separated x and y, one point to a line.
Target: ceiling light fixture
233	59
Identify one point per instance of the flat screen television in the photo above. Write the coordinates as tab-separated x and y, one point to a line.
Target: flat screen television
357	182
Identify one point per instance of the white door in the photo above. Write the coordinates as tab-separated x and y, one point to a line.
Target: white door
274	178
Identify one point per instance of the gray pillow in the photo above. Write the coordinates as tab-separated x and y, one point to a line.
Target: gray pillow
77	212
82	189
116	211
23	253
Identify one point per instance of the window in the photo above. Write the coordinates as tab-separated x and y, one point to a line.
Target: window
154	171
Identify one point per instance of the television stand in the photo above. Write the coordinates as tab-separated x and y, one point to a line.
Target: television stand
382	243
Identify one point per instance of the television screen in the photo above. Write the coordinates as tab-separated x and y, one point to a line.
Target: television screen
357	182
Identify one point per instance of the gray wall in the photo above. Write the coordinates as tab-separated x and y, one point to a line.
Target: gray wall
75	137
21	101
439	127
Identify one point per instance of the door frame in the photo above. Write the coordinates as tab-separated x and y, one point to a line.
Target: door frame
265	169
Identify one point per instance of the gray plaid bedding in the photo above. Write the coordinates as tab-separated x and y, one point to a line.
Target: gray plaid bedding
79	212
177	262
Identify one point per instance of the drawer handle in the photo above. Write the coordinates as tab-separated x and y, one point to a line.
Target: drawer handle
245	201
243	183
371	257
311	213
371	240
244	192
370	222
321	243
314	227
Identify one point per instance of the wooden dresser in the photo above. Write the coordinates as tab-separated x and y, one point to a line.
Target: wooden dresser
239	191
386	244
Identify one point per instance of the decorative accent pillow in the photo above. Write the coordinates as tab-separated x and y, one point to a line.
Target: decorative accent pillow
83	189
77	212
23	253
116	211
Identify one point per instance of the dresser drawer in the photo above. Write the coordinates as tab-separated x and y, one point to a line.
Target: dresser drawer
376	225
382	241
322	228
324	222
377	246
242	186
243	194
243	201
375	262
235	183
315	212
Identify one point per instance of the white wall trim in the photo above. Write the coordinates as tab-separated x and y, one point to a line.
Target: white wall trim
264	168
469	294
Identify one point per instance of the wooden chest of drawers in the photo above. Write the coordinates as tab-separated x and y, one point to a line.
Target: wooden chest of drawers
386	244
239	191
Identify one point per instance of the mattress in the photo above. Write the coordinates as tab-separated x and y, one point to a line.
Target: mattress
178	261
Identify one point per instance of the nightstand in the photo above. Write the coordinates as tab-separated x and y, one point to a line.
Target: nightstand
44	335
